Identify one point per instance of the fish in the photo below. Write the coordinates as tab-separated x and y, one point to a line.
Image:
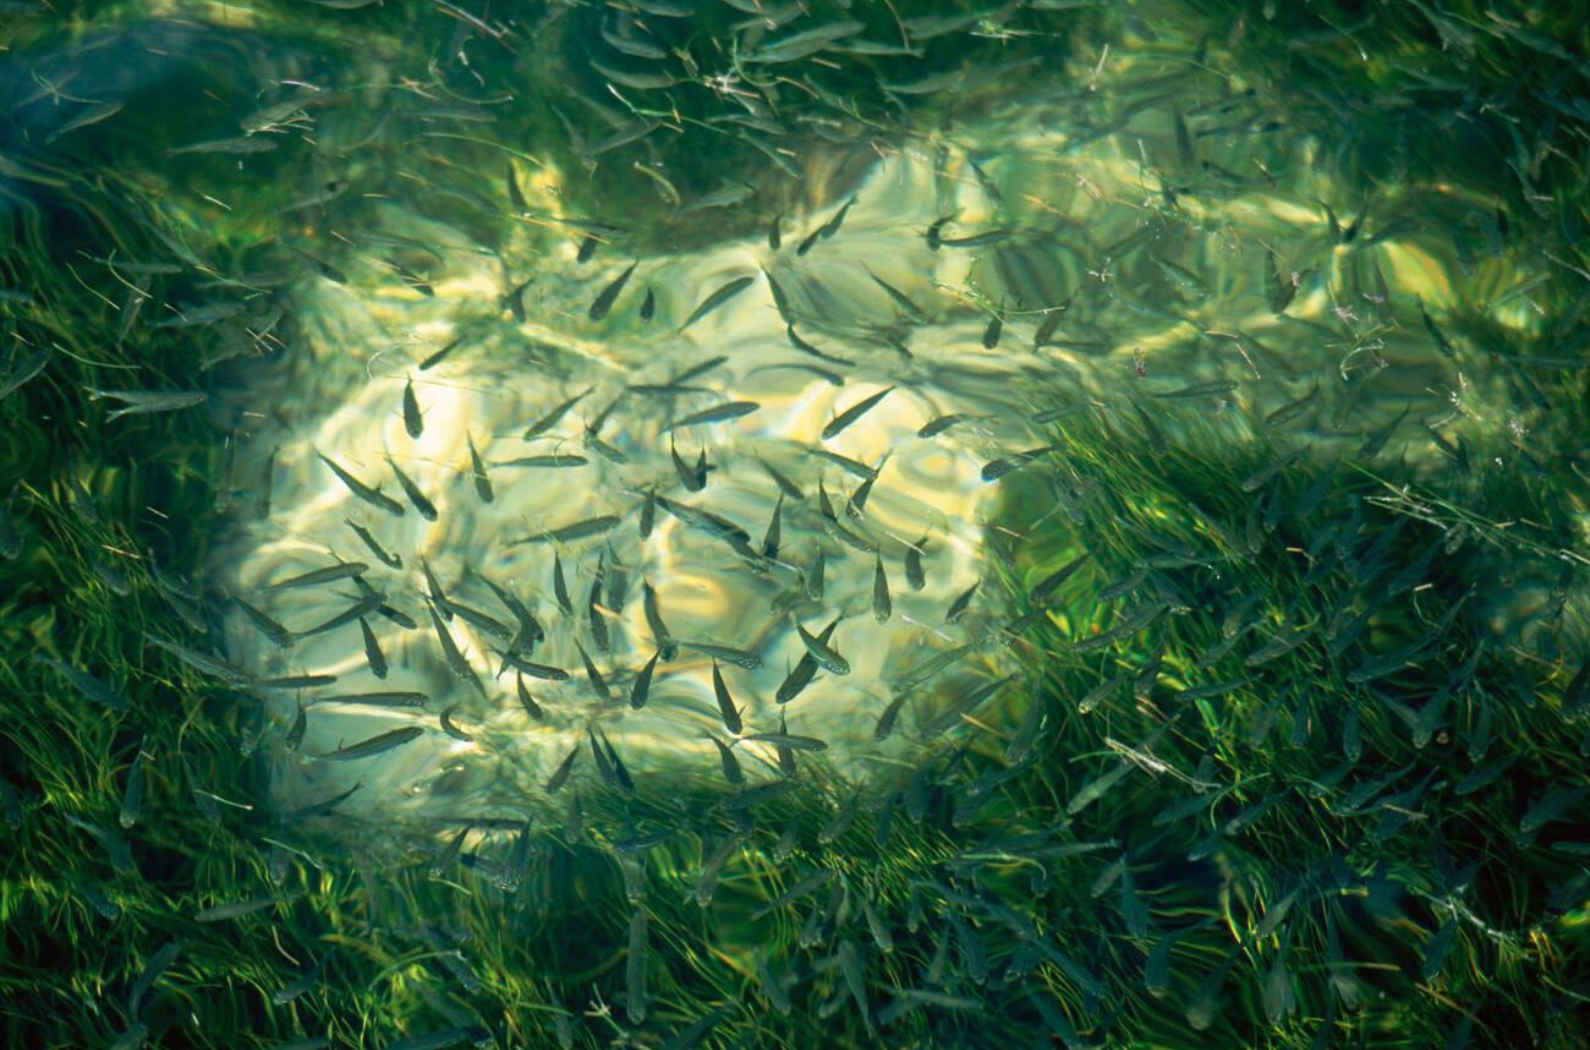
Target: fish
635	969
267	625
820	650
434	591
372	650
706	521
891	712
964	704
413	421
882	604
434	359
831	378
961	603
1442	343
939	424
692	479
807	241
621	778
785	485
717	299
771	539
324	195
376	745
801	45
1548	808
144	402
851	466
157	963
659	630
738	657
839	423
409	278
717	414
812	578
132	800
480	621
1213	388
912	312
450	651
804	671
843	818
696	371
935	232
1377	440
198	315
857	503
807	348
239	145
995	469
199	661
665	189
546	672
731	765
315	577
560	776
631	45
295	681
380	698
91	687
992	333
555	461
780	300
831	227
555	415
579	530
726	708
593	674
392	561
372	496
641	688
449	728
607	451
527	701
648	306
648	514
560	587
1283	284
477	472
238	909
1046	587
513	300
609	295
426	508
782	739
977	240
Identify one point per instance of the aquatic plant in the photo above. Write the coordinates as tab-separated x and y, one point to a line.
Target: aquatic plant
1291	751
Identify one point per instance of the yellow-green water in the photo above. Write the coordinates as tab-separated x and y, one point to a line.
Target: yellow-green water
1286	752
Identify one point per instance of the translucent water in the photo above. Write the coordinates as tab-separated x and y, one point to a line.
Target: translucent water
808	525
1146	247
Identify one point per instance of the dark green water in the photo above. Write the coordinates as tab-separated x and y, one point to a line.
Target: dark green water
1059	524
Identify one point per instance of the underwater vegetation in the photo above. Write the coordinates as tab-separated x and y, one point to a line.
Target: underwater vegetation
719	524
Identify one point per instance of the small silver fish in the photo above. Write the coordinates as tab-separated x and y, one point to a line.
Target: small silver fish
838	424
413	421
143	402
376	745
